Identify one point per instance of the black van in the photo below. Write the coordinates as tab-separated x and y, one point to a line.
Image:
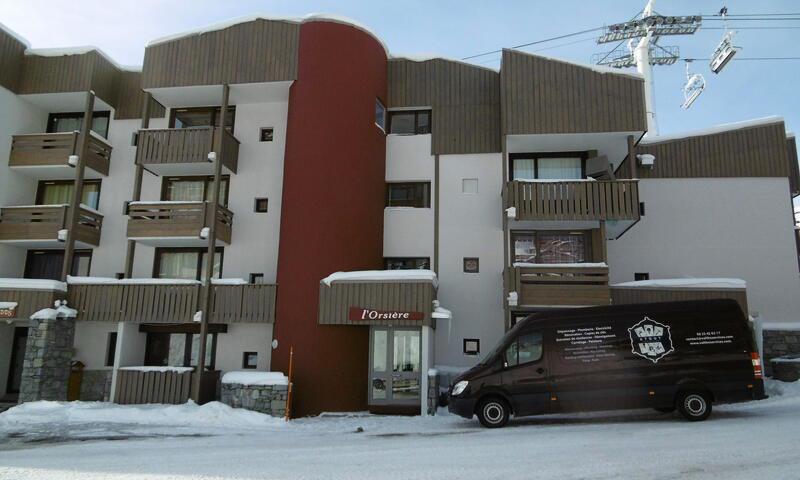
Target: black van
684	355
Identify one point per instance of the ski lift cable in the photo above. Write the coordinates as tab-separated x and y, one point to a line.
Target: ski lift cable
746	58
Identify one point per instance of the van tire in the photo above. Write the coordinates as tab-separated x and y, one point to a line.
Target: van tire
493	412
694	405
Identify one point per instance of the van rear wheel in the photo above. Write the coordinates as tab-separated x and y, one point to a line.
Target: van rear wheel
695	406
493	412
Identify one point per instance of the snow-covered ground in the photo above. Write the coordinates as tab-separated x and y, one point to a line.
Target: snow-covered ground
48	440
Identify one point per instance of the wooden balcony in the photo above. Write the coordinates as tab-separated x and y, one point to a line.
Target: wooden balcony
39	226
171	303
137	386
573	200
621	295
45	156
176	223
30	296
562	285
184	151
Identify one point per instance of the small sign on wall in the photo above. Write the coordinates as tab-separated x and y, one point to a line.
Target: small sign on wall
366	314
8	310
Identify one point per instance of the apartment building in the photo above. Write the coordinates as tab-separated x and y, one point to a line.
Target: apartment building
455	198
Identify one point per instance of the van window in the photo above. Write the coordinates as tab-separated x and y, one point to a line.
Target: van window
527	348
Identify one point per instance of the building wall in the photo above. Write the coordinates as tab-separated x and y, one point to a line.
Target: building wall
732	227
91	343
470	226
243	337
332	211
409	232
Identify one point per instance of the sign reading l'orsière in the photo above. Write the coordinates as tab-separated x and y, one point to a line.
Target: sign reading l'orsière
8	312
358	314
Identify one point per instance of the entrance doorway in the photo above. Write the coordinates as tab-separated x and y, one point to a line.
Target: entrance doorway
17	359
395	365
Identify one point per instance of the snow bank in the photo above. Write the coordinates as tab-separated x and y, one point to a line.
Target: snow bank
723	127
163	369
213	414
256	378
381	275
31	284
561	265
687	283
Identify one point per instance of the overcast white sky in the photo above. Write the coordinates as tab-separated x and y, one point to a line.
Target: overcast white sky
744	90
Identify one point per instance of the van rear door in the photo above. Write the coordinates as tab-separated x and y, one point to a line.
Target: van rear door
525	374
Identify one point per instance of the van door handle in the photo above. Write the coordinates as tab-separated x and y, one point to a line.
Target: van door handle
540	370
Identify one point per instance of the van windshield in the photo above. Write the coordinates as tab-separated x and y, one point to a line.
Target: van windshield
500	345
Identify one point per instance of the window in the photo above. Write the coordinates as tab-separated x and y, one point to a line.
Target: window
408	194
266	134
517	317
471	265
407	263
380	115
639	277
199	117
548	246
410	122
111	349
185	263
250	360
472	346
641	209
256	278
194	189
547	166
525	349
261	205
73	121
56	192
164	349
469	185
47	264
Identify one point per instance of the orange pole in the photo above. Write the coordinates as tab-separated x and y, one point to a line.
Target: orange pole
289	391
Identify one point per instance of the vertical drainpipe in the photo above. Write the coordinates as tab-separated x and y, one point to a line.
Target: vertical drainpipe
77	190
503	194
436	183
137	185
212	243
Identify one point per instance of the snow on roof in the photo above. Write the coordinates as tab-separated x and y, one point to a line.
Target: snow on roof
62	311
228	281
8	305
596	68
789	134
256	378
687	283
80	50
780	325
14	34
560	265
159	369
382	275
313	17
129	281
425	57
31	284
724	127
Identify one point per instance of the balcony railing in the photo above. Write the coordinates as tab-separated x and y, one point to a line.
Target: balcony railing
573	200
354	302
30	296
44	222
176	219
552	285
172	303
622	295
54	150
167	149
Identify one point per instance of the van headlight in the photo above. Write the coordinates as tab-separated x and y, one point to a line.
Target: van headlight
459	387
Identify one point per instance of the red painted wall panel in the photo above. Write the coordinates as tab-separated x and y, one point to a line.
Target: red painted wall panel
332	210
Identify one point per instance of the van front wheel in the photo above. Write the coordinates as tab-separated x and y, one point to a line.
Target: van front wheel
694	406
493	412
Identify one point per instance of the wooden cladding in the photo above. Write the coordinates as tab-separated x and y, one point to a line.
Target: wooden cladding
130	98
70	73
336	300
172	303
31	301
573	285
794	178
628	295
542	95
251	52
139	387
465	102
43	222
573	200
54	149
177	219
758	151
186	145
12	53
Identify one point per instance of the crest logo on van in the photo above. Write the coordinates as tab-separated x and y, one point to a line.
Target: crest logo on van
651	340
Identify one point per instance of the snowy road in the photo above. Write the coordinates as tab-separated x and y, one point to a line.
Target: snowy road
755	440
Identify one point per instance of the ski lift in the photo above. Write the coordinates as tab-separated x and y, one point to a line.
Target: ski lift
695	84
725	50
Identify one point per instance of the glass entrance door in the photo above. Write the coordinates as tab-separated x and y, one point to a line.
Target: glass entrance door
395	364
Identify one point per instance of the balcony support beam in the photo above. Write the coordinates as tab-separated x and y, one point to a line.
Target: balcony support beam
77	190
137	186
212	243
